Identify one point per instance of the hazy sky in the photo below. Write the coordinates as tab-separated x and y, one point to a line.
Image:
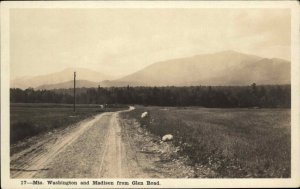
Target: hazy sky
122	41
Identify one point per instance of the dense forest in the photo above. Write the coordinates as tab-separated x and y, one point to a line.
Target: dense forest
264	96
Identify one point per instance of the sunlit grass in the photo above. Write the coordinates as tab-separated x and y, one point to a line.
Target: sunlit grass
232	142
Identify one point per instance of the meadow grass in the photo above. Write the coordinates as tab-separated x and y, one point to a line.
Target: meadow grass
234	143
27	120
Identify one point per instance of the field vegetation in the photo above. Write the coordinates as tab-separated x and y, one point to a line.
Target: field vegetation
27	120
232	143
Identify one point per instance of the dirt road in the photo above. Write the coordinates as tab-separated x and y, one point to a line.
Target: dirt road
101	147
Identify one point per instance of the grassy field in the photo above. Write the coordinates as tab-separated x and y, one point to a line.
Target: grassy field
232	143
27	120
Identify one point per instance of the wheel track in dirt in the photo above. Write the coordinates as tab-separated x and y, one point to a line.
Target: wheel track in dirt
38	161
107	146
42	159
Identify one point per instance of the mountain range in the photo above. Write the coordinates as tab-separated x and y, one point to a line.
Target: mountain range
222	68
59	78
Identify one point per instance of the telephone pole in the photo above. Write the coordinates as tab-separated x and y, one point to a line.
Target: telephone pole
74	91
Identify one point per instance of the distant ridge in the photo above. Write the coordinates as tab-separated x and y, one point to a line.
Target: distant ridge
69	84
59	77
223	68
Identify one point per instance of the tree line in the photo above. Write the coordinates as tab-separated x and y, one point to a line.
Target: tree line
264	96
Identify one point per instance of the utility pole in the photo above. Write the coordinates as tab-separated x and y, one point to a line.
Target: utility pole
74	91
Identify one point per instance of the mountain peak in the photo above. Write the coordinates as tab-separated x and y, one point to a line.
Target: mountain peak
222	68
226	54
59	77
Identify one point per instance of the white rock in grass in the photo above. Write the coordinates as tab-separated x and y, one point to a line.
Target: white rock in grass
167	137
144	114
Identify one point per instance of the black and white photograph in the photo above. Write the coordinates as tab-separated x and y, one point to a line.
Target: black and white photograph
133	94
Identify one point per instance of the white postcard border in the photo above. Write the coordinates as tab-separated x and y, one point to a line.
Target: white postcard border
294	181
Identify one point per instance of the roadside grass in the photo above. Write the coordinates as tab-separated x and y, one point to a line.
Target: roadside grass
233	143
28	120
